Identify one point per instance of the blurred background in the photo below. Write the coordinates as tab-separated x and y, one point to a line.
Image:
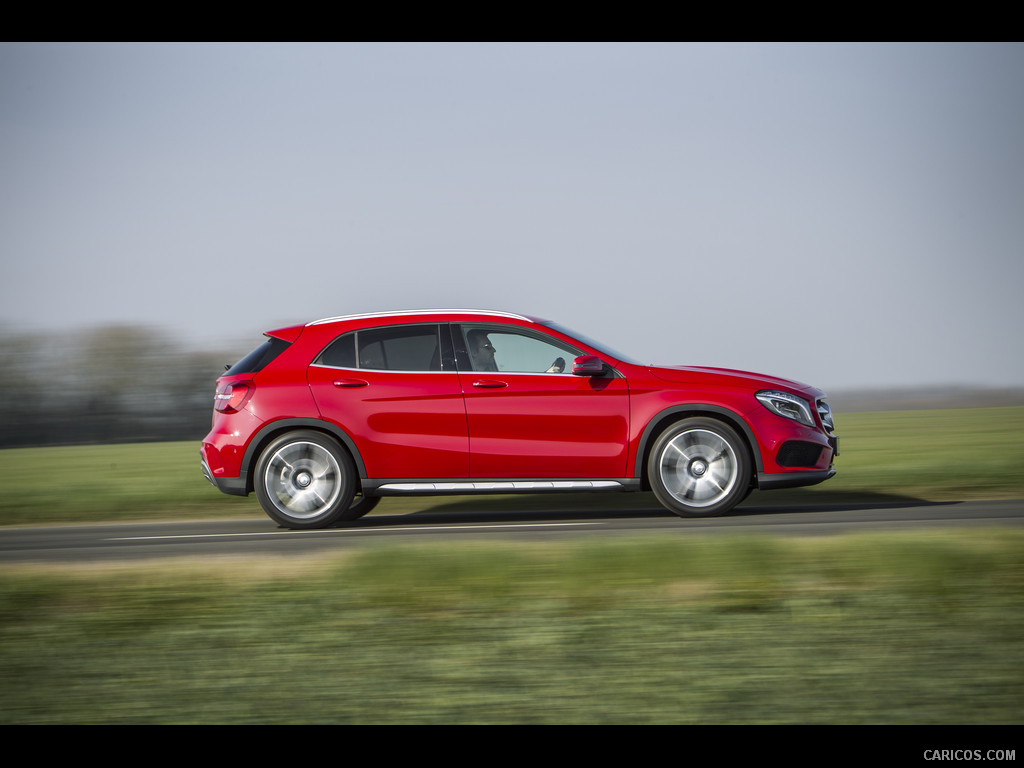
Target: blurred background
846	215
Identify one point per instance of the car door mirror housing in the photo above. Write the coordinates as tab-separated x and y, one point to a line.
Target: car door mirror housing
588	365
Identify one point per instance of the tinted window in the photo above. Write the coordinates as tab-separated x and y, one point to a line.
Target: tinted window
341	353
401	348
259	358
395	348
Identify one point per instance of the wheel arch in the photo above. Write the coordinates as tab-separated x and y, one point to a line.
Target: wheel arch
666	418
269	432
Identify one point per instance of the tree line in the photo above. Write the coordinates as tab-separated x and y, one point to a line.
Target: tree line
103	385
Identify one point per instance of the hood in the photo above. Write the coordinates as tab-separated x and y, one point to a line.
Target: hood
695	374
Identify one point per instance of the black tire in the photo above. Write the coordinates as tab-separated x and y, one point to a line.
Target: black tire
361	505
699	468
306	480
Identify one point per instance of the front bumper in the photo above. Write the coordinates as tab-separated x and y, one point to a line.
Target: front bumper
767	481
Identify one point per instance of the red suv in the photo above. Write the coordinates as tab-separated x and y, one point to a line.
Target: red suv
324	419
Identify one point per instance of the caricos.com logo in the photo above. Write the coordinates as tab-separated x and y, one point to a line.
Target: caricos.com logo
970	754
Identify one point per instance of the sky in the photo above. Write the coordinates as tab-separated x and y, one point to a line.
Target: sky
845	215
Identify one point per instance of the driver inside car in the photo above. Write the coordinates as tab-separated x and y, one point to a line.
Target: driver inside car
481	351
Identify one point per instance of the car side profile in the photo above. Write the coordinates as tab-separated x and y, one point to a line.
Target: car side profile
322	420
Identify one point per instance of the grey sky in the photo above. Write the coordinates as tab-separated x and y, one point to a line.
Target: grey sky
847	215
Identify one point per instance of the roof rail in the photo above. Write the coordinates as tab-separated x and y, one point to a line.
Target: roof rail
413	312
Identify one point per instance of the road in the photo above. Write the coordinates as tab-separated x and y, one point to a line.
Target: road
259	536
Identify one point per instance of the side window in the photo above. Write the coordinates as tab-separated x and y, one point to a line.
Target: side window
341	353
394	348
499	348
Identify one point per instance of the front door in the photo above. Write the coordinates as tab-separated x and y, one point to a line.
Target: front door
530	417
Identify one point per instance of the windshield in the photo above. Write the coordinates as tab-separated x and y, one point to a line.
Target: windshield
602	348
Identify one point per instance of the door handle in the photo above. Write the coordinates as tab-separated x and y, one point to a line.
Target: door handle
489	384
350	383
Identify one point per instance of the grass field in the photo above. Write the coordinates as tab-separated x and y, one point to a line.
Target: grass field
897	628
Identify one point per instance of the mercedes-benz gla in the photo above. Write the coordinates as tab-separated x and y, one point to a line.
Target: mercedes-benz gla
322	420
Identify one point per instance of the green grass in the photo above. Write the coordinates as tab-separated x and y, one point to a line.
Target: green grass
79	484
898	629
941	455
971	453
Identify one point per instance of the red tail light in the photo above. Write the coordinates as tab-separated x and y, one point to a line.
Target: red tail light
231	397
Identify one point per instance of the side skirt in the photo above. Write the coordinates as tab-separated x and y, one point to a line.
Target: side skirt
398	487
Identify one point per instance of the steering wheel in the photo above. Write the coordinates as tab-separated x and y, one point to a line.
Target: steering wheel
558	366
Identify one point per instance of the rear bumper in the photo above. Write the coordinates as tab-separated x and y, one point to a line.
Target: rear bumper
233	486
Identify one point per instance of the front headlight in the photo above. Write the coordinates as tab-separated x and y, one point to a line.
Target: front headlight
787	405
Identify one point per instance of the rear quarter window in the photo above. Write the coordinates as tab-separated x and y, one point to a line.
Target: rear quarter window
340	354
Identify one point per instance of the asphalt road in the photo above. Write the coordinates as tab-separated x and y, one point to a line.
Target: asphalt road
260	536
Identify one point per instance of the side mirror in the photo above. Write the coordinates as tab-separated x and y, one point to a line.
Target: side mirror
587	365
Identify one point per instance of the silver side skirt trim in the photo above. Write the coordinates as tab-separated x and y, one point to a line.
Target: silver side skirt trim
498	485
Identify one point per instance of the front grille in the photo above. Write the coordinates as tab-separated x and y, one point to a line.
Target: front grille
825	414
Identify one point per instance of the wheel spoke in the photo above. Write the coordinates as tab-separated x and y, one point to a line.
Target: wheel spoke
302	479
699	468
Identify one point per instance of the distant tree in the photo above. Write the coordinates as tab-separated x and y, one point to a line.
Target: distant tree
116	383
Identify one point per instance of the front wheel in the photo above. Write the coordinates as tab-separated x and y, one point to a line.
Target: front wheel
699	468
305	480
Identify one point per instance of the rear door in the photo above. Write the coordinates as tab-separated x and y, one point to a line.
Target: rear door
396	392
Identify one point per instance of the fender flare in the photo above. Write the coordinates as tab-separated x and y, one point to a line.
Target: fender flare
675	412
273	428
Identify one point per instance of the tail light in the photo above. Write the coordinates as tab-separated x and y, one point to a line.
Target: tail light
232	396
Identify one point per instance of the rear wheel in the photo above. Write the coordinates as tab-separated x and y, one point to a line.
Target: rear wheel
699	468
306	480
361	505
